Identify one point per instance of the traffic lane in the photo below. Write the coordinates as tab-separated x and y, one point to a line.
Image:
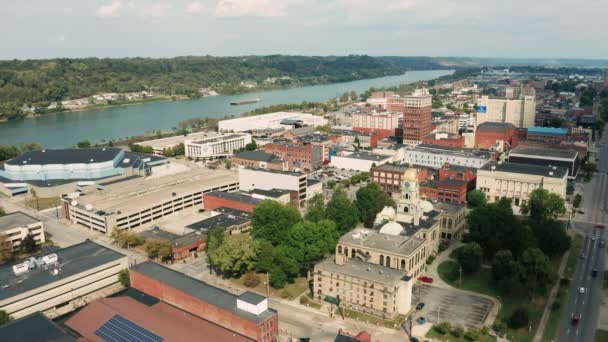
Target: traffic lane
591	311
567	330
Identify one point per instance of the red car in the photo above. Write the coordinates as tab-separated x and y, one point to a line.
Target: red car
575	318
599	226
426	279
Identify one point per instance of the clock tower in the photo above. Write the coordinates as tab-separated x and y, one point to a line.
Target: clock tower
408	201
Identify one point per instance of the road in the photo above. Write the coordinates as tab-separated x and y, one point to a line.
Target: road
595	207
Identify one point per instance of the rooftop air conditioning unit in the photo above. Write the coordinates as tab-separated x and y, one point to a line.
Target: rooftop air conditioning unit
20	268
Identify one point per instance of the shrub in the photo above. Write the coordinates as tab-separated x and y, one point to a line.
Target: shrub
251	279
442	328
564	282
499	327
519	319
443	245
284	294
304	300
430	259
472	334
124	278
555	306
457	332
485	330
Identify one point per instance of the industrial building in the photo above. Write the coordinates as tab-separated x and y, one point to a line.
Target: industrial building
139	201
302	155
270	121
247	314
568	158
17	226
516	181
492	134
216	146
359	161
59	282
437	156
260	159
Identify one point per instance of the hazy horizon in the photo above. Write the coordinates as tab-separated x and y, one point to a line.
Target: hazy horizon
160	28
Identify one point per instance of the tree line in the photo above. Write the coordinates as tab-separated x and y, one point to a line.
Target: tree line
41	82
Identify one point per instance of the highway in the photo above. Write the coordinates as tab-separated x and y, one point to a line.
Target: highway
595	207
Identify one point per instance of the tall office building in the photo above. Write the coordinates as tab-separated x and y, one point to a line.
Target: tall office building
520	112
417	116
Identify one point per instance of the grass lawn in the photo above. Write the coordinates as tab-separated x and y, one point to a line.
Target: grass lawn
290	291
393	324
307	301
601	335
43	203
449	338
481	282
555	316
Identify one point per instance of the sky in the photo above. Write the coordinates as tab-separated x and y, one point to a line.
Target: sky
167	28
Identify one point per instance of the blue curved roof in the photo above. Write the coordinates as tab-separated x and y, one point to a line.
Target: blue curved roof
548	131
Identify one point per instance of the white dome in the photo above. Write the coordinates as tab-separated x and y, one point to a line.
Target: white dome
391	228
426	206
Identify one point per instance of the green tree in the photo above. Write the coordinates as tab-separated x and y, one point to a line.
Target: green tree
371	199
470	257
236	255
124	278
84	144
353	95
495	227
252	146
576	203
271	220
505	271
544	205
342	211
28	245
4	317
551	236
519	319
158	249
285	267
476	198
6	249
2	212
125	238
311	241
316	208
215	238
228	164
556	122
536	273
265	257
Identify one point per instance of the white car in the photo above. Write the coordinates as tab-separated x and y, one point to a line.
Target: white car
581	290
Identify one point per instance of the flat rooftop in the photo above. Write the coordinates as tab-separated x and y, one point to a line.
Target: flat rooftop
233	196
221	220
366	156
66	156
201	290
142	192
257	156
369	238
465	152
219	137
528	151
528	169
363	270
72	260
16	220
34	328
175	140
495	127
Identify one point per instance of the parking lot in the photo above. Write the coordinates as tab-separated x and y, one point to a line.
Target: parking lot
450	305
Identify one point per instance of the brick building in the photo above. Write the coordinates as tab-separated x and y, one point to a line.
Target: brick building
307	156
447	190
219	199
488	133
260	159
390	176
417	116
457	172
247	314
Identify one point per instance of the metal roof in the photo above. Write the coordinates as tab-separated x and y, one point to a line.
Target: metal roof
66	156
538	170
34	328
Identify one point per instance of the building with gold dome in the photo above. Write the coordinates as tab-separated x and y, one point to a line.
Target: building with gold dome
393	254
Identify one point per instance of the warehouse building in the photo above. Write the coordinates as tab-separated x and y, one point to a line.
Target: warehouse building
141	201
251	179
58	283
436	156
216	146
359	161
260	159
270	121
17	226
247	314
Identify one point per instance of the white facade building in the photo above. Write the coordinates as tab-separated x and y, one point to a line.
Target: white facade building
217	146
17	226
269	121
520	112
251	179
373	121
359	161
436	156
159	145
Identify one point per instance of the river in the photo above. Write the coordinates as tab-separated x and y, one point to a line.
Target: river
66	129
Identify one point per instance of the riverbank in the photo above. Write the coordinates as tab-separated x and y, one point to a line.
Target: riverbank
119	123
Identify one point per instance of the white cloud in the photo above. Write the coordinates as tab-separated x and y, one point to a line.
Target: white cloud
194	7
157	10
109	10
251	8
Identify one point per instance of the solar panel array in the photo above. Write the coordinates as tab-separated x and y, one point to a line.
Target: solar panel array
120	329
